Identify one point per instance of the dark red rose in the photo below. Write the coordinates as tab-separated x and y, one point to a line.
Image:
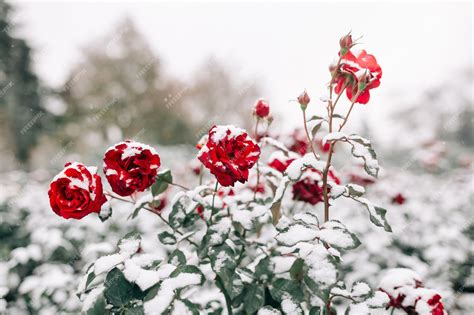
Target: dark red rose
261	108
309	188
360	72
229	154
130	167
398	199
298	142
76	191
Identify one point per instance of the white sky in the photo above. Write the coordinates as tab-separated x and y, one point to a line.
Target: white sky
287	45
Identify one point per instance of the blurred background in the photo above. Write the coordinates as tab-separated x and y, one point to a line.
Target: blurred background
75	78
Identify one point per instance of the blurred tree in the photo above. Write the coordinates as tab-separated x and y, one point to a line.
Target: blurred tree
21	115
121	91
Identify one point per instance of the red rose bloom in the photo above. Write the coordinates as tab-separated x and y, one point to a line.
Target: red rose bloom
130	167
229	154
309	188
76	192
261	108
358	71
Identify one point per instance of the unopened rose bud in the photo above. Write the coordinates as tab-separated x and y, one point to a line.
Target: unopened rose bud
304	99
261	109
346	43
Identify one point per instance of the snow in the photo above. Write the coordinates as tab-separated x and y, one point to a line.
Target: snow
295	169
220	229
128	247
164	297
107	263
379	299
360	289
268	311
333	136
221	132
333	233
221	258
144	278
296	233
179	308
289	307
91	298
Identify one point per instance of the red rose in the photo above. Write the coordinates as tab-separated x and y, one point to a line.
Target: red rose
298	142
360	72
309	188
323	147
261	108
76	191
438	307
398	199
130	167
280	161
229	154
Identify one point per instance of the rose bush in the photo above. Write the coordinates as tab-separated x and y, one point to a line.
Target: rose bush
251	245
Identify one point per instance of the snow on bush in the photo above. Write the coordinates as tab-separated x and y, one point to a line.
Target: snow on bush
273	229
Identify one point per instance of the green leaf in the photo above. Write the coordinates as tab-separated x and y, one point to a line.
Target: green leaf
188	269
263	270
177	258
296	270
133	310
336	234
137	209
90	278
99	307
376	213
161	183
316	127
222	256
281	287
362	148
355	190
166	238
254	298
118	291
177	214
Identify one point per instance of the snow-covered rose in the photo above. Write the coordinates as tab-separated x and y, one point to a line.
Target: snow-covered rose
229	154
76	191
130	167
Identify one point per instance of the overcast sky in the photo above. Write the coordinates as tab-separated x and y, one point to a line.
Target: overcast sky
288	46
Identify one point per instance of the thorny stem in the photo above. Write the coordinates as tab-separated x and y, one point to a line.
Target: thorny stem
258	170
310	140
213	199
331	151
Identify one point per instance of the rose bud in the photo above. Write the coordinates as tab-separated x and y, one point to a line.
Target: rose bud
345	43
76	191
130	167
261	108
304	99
